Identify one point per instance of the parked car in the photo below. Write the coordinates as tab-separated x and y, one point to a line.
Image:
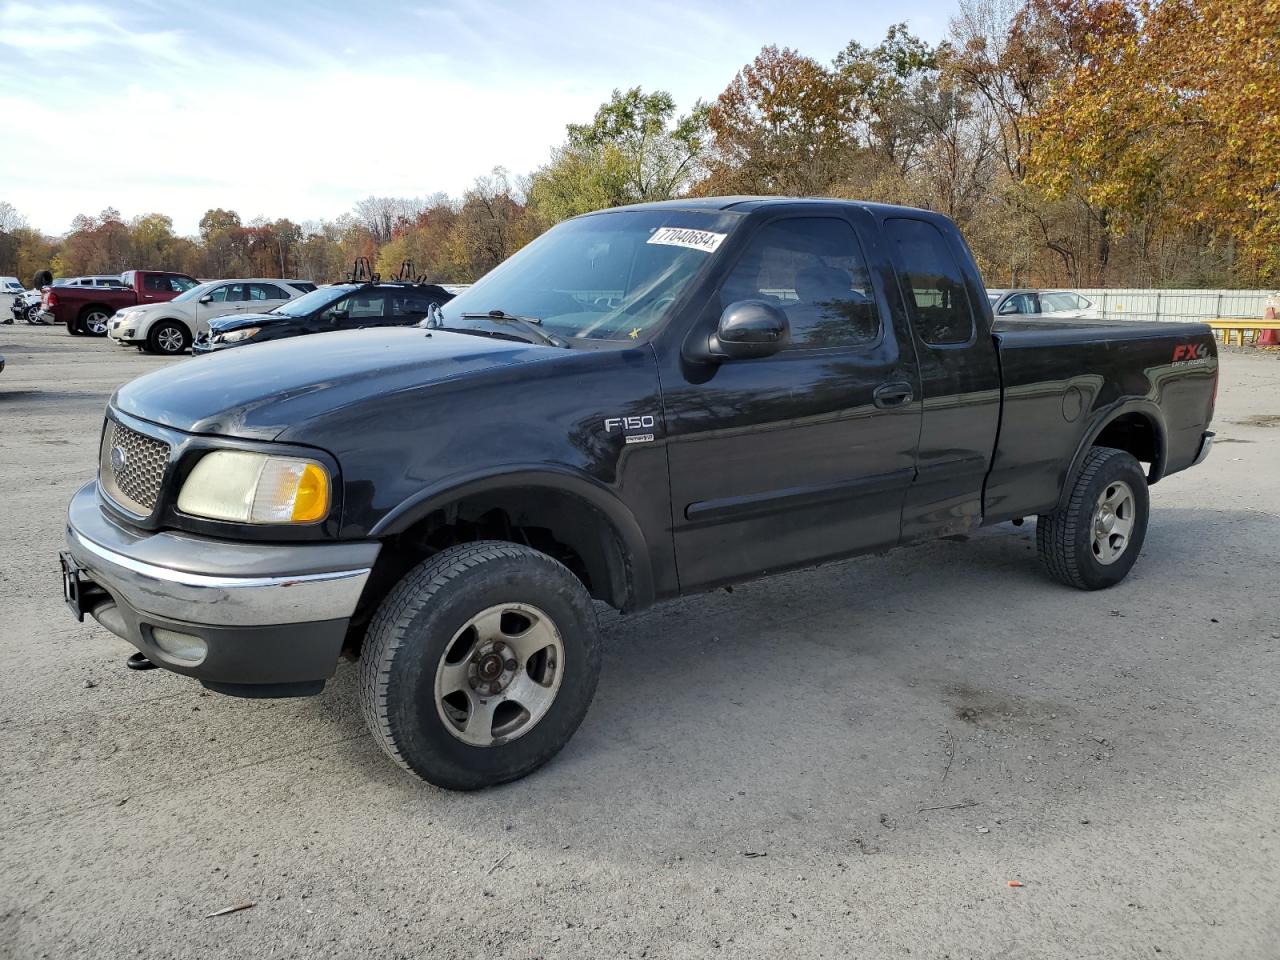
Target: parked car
342	306
26	307
643	402
171	326
1049	303
86	308
10	290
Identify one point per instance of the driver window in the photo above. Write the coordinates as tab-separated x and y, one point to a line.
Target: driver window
228	293
1021	303
813	270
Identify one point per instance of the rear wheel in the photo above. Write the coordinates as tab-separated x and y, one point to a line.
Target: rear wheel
480	664
93	321
1094	541
168	337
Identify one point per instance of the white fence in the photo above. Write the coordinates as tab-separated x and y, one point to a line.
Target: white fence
1186	305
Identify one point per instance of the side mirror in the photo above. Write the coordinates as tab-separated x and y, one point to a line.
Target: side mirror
207	298
748	330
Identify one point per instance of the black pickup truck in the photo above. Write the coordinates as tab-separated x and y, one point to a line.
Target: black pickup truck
644	402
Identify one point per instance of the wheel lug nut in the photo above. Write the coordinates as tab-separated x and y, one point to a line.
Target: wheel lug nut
511	664
493	688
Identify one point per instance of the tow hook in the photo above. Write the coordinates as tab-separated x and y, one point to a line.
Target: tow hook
139	662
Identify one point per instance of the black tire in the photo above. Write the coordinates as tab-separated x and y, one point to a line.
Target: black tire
414	629
1065	539
91	317
169	338
74	328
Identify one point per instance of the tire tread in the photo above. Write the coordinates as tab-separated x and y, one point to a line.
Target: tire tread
388	631
1057	533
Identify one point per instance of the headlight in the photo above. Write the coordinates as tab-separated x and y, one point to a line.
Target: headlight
235	336
256	488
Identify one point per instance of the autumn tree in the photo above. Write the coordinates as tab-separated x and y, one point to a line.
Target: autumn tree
424	243
222	236
1172	117
782	126
491	225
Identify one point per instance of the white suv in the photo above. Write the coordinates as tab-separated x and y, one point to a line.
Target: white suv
170	327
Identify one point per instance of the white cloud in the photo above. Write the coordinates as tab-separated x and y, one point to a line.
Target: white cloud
273	141
299	110
78	27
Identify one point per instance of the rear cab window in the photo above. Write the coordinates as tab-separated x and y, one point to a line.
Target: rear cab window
931	281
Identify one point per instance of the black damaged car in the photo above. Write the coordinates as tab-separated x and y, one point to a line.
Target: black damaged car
343	306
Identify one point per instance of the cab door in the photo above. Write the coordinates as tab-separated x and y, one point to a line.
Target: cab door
227	298
805	455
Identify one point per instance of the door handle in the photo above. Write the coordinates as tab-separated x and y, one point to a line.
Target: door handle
889	395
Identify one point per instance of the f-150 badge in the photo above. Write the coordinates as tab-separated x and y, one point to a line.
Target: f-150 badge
635	429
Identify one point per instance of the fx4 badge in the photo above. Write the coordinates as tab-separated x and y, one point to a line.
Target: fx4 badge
627	425
1184	352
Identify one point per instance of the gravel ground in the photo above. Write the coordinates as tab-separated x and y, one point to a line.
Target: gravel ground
848	762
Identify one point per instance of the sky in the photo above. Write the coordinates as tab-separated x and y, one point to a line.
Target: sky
284	108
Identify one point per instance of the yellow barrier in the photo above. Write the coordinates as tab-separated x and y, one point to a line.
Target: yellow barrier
1238	325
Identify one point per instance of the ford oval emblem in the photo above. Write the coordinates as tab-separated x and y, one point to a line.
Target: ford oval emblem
118	458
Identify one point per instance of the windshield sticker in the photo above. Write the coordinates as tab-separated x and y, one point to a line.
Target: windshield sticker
702	240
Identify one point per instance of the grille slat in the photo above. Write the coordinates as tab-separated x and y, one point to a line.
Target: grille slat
133	475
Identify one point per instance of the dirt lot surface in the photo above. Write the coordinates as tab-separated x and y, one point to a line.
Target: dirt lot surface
849	762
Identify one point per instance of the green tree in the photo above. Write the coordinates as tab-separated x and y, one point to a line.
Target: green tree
635	149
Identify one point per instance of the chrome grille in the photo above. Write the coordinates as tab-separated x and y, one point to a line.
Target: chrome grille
131	467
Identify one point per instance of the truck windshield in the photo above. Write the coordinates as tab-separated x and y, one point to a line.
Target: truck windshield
607	276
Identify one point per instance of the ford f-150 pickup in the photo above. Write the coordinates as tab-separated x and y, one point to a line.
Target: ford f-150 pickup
86	310
644	402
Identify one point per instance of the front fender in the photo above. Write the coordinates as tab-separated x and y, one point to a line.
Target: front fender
540	476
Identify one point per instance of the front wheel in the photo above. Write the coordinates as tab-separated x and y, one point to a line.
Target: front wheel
169	338
480	664
1094	541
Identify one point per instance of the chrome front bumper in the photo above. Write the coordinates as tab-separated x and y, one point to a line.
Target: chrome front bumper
269	613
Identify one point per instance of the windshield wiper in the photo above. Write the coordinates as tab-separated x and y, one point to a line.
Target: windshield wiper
531	324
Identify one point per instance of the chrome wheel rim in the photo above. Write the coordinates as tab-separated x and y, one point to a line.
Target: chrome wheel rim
499	674
170	340
1113	520
96	322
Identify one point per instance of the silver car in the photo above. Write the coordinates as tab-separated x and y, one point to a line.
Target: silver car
1045	303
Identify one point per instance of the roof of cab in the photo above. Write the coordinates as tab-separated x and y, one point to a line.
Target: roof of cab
747	204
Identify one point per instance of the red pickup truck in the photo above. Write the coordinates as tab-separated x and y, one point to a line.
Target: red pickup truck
85	310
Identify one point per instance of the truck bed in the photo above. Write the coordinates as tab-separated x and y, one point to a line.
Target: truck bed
1160	379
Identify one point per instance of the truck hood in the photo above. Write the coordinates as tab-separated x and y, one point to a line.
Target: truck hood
259	391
